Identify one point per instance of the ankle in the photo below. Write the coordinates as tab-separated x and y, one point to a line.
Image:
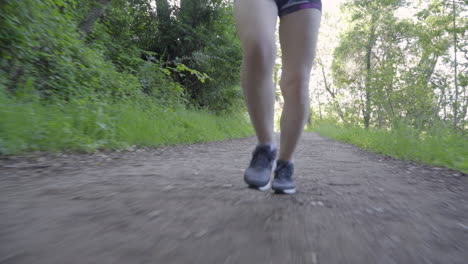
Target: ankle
271	146
288	162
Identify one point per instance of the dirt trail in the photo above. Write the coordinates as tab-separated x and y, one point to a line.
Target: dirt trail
188	204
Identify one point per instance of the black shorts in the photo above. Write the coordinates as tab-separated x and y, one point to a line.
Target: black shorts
288	6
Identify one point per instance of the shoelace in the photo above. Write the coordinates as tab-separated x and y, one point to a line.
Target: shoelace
283	172
260	159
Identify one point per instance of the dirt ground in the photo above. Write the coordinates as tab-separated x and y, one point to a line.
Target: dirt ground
189	204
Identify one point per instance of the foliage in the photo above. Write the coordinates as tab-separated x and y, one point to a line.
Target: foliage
387	68
201	35
189	58
392	72
128	81
40	52
28	125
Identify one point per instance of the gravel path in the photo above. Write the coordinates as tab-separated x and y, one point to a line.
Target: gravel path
189	204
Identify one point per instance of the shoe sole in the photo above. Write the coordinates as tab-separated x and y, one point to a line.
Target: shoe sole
262	188
286	191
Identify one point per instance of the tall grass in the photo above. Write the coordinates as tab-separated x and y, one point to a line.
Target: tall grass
438	145
29	125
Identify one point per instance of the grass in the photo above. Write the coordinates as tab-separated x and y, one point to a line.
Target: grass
438	146
28	125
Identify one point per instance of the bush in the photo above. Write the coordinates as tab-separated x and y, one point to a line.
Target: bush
28	125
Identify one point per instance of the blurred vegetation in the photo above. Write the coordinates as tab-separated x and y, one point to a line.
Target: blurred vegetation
29	125
109	73
394	79
385	68
439	145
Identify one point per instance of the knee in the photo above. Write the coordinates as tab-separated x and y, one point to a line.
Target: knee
295	89
260	55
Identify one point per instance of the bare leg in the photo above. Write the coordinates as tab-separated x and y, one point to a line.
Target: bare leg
298	38
256	23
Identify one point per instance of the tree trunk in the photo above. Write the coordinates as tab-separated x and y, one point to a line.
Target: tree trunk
455	103
97	11
389	91
367	109
464	108
163	11
439	103
319	104
164	42
332	94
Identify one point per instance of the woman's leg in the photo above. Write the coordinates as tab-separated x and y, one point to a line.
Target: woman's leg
298	37
256	23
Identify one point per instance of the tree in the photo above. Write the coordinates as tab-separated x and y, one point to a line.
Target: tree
356	59
96	11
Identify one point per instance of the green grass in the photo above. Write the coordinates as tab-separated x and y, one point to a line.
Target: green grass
28	125
438	146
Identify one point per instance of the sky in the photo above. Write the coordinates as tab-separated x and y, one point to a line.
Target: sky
332	6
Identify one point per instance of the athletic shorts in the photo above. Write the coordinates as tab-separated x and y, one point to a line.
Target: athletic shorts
288	6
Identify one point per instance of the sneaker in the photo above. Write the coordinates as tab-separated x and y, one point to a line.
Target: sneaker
258	174
283	181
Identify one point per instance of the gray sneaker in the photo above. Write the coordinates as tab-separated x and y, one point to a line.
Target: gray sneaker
258	174
283	181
